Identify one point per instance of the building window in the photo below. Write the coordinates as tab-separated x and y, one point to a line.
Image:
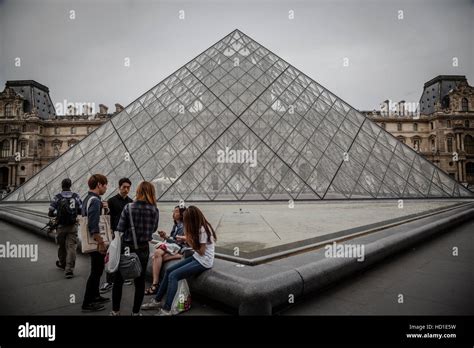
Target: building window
6	129
416	144
445	102
433	144
73	130
449	143
399	127
415	127
89	129
431	125
23	128
466	123
470	171
22	181
56	150
464	104
401	139
56	130
8	110
448	124
23	149
469	144
5	148
40	129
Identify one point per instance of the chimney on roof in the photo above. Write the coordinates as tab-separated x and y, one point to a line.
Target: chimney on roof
118	108
103	109
401	108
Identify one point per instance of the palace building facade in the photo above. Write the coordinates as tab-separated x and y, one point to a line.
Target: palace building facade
442	127
31	133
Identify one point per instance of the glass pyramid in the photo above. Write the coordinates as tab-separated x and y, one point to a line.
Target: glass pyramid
238	97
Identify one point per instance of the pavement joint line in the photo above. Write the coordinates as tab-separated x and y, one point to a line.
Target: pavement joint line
270	226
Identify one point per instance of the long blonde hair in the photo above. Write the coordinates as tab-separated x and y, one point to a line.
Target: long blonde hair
146	192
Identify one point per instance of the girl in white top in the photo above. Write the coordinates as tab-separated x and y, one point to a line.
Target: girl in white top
199	235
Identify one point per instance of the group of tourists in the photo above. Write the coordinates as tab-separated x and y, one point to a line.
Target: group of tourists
191	233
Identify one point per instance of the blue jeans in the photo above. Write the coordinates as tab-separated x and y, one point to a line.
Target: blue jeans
182	270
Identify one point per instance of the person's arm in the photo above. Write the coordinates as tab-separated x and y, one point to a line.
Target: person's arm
202	249
53	207
157	220
123	222
93	216
78	204
203	242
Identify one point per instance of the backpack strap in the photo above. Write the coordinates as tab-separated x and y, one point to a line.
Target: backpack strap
89	203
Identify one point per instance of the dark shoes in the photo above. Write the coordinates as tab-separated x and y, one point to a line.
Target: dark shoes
60	266
93	307
96	306
100	300
69	275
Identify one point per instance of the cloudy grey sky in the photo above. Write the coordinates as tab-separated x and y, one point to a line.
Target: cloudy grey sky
82	59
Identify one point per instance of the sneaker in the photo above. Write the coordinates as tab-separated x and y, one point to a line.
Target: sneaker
128	282
101	300
153	304
114	314
93	307
60	266
163	313
69	275
106	287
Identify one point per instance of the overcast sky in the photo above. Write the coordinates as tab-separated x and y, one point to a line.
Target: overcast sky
81	60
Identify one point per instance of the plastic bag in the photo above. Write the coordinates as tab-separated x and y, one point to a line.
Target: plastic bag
182	299
112	258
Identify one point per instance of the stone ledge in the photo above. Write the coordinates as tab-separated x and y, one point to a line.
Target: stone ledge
258	290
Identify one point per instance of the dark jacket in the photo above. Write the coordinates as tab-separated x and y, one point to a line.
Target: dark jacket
53	207
177	230
93	215
116	205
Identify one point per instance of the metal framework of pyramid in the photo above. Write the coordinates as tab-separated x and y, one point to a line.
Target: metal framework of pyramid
238	95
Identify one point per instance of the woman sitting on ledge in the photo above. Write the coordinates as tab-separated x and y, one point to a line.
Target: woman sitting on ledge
201	237
161	255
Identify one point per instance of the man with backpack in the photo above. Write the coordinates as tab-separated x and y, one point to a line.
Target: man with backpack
65	207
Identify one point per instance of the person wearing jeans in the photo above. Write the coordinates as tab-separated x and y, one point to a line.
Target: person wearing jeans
141	217
200	235
143	253
97	187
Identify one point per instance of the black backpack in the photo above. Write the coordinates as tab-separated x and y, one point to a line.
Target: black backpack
67	211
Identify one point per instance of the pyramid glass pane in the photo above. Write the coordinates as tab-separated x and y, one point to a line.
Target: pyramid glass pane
239	123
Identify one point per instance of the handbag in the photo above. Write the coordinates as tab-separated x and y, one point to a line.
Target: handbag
88	244
129	265
112	258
